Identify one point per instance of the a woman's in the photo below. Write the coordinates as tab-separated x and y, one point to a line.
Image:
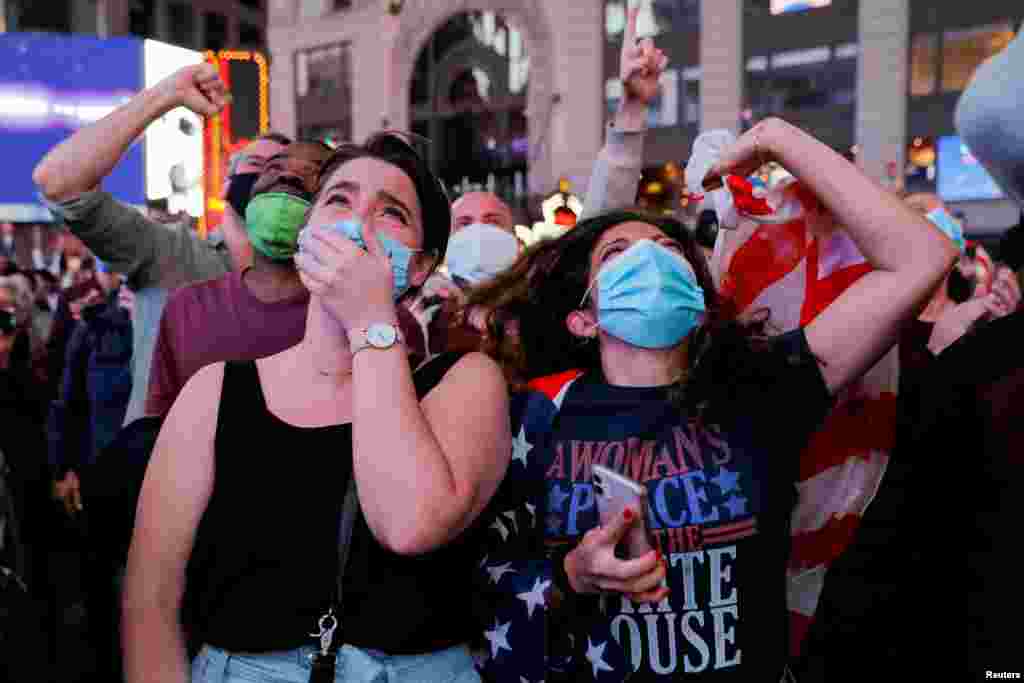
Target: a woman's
707	416
245	489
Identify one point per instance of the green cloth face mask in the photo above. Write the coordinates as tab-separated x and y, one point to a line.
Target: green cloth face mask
273	221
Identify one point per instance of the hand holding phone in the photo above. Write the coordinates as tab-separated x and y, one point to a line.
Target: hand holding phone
616	493
594	565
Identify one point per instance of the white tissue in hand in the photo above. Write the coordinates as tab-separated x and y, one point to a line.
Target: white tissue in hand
707	150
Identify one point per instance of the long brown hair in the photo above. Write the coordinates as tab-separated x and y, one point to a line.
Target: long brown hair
547	283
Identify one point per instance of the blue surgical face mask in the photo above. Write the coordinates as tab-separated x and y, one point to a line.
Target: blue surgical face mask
400	255
478	252
648	296
948	225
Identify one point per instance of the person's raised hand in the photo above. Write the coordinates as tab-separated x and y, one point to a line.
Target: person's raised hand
1005	295
750	152
640	64
592	566
956	321
197	87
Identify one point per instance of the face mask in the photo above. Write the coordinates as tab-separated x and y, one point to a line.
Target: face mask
949	226
648	297
478	252
399	254
240	191
273	220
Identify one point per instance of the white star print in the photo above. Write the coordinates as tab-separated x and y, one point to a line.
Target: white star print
499	571
595	655
500	528
498	638
511	517
727	481
532	509
521	447
534	598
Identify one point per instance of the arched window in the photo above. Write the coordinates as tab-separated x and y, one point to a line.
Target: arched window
468	97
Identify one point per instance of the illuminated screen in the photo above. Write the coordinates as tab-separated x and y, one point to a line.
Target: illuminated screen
960	176
51	85
786	6
174	143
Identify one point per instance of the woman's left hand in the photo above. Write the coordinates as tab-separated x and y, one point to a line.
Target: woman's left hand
355	286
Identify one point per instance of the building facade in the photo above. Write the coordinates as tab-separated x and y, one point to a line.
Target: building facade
514	94
194	24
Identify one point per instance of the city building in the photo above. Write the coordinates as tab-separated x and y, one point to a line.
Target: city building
195	24
514	94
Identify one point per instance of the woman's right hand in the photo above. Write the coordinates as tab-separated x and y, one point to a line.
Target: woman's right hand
592	566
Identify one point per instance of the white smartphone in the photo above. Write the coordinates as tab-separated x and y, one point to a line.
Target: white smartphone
614	493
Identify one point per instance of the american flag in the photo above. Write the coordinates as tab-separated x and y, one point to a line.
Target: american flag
795	270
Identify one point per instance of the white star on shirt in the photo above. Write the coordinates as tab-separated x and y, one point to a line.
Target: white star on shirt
511	517
595	655
498	638
737	506
727	481
534	598
499	571
532	509
521	447
500	528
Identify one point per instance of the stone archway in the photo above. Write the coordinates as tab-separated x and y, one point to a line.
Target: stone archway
421	18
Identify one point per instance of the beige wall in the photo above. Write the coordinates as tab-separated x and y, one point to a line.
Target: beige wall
564	40
882	87
721	56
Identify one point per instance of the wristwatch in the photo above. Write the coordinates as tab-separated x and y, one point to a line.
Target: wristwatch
376	336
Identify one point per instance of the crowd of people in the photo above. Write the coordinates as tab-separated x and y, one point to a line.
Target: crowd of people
354	434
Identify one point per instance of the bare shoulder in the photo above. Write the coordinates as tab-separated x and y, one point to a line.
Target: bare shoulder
199	400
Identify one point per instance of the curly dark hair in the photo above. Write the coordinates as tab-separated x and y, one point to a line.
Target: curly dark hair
547	283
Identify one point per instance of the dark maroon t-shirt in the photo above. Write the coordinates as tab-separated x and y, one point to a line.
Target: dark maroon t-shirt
214	321
220	320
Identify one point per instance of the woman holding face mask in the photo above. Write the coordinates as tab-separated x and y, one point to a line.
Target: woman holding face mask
255	531
621	328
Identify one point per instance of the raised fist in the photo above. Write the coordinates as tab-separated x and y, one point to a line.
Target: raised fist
197	87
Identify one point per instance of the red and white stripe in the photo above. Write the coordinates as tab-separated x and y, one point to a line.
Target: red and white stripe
795	274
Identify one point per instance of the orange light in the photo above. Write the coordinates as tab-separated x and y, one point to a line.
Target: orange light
654	187
220	141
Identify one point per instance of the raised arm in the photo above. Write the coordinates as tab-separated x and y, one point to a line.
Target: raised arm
151	253
617	169
175	493
909	255
81	162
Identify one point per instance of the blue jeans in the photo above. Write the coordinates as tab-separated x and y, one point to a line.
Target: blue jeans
213	665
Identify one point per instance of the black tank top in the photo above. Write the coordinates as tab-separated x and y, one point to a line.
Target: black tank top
264	565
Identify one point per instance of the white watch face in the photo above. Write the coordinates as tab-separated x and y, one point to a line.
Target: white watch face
381	336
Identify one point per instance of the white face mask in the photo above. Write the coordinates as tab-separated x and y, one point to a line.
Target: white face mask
479	252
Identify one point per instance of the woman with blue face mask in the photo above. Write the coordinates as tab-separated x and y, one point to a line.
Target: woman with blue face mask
259	464
633	364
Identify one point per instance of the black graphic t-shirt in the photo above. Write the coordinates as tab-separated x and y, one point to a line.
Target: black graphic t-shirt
719	504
